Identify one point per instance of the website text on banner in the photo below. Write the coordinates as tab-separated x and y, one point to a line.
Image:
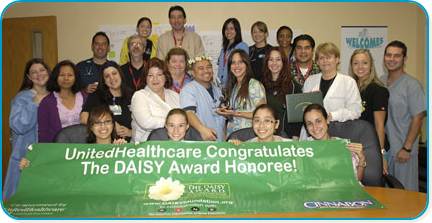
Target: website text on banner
188	178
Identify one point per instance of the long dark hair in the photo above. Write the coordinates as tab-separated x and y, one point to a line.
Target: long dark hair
238	36
52	82
27	83
95	114
142	19
103	91
243	93
283	85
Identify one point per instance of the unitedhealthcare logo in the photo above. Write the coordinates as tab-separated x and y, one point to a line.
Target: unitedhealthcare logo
364	41
337	204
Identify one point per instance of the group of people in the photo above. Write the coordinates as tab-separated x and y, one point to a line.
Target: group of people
171	84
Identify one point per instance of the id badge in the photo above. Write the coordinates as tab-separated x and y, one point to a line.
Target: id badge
116	109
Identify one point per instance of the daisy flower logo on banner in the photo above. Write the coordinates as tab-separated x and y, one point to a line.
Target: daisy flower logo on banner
166	190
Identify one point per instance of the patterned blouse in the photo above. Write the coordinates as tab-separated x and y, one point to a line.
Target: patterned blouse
256	95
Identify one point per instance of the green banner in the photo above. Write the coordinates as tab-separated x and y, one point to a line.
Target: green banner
189	178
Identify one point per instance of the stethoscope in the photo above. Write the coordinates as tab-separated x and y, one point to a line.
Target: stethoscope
89	71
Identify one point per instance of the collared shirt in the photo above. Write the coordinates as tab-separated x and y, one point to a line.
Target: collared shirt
178	85
196	95
192	43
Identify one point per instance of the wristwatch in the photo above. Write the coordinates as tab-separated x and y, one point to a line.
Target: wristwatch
406	150
362	164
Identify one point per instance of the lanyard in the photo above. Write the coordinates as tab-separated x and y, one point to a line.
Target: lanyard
136	81
225	59
180	40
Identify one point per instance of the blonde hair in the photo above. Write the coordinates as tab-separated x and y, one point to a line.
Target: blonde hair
372	78
261	27
327	49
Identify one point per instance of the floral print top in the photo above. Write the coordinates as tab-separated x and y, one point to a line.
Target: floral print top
256	95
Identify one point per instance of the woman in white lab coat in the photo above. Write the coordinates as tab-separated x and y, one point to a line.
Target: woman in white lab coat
341	95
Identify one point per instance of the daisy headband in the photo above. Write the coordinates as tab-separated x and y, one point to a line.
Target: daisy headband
197	59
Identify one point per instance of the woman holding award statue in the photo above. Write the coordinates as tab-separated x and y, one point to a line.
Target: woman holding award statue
264	124
244	92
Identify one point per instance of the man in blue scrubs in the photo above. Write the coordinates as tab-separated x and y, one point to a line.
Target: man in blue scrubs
406	111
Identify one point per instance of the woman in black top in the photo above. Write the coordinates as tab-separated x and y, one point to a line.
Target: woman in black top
373	93
258	51
278	83
114	93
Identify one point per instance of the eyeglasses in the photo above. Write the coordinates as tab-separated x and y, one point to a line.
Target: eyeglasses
136	44
103	123
265	121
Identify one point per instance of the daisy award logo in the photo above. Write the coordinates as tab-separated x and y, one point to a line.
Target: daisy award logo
166	190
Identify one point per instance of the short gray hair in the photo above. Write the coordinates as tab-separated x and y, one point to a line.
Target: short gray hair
135	36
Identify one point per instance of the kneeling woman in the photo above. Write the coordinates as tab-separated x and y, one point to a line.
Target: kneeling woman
264	125
101	127
315	118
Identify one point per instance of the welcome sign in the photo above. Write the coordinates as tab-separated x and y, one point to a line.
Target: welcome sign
373	38
188	178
